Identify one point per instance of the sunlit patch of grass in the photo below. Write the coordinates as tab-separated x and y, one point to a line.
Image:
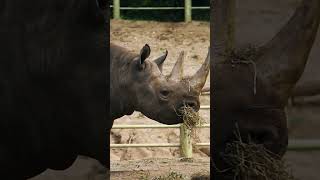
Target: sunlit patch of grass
171	176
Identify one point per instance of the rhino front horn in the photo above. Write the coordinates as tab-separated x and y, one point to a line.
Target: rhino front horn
198	80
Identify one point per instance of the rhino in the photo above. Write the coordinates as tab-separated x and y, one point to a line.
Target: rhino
138	84
252	96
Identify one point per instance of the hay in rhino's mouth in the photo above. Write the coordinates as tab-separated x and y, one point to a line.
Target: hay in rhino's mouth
191	119
253	161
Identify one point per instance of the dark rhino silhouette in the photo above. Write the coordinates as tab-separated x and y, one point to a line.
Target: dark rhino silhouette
253	95
53	78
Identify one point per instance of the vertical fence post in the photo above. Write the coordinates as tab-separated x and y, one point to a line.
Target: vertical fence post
185	142
116	9
187	10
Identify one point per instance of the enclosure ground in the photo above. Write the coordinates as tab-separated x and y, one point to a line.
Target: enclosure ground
150	168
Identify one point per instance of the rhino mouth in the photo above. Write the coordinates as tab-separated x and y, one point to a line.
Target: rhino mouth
191	105
189	116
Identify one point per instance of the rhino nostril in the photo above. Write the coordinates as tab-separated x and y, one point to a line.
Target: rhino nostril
193	105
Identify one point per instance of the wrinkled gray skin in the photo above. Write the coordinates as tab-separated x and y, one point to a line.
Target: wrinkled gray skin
138	84
279	65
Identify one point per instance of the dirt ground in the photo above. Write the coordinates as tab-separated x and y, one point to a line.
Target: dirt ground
193	38
156	168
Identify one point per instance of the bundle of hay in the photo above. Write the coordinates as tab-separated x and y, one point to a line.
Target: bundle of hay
191	119
253	161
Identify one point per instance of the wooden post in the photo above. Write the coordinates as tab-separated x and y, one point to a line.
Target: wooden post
185	141
116	9
187	10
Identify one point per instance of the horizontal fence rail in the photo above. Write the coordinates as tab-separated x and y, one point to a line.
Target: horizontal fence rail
304	145
294	145
142	126
205	107
160	8
187	9
154	145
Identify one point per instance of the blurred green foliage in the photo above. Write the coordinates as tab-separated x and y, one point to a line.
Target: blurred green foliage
163	15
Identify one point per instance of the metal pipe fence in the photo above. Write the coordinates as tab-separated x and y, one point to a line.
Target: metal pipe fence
185	138
187	9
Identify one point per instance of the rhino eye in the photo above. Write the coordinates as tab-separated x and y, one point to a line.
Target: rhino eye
164	93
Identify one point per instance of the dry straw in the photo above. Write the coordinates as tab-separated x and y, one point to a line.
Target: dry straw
253	161
191	119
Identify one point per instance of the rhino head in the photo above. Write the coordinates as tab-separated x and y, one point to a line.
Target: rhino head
160	97
146	89
252	96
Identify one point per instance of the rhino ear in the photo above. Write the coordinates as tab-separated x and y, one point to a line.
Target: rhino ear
144	54
159	61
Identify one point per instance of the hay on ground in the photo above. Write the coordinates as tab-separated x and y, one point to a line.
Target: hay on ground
254	161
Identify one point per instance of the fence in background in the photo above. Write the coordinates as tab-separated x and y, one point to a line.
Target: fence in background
186	143
185	138
187	9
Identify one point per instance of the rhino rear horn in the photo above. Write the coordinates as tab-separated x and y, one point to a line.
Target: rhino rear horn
198	80
177	70
159	61
283	59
